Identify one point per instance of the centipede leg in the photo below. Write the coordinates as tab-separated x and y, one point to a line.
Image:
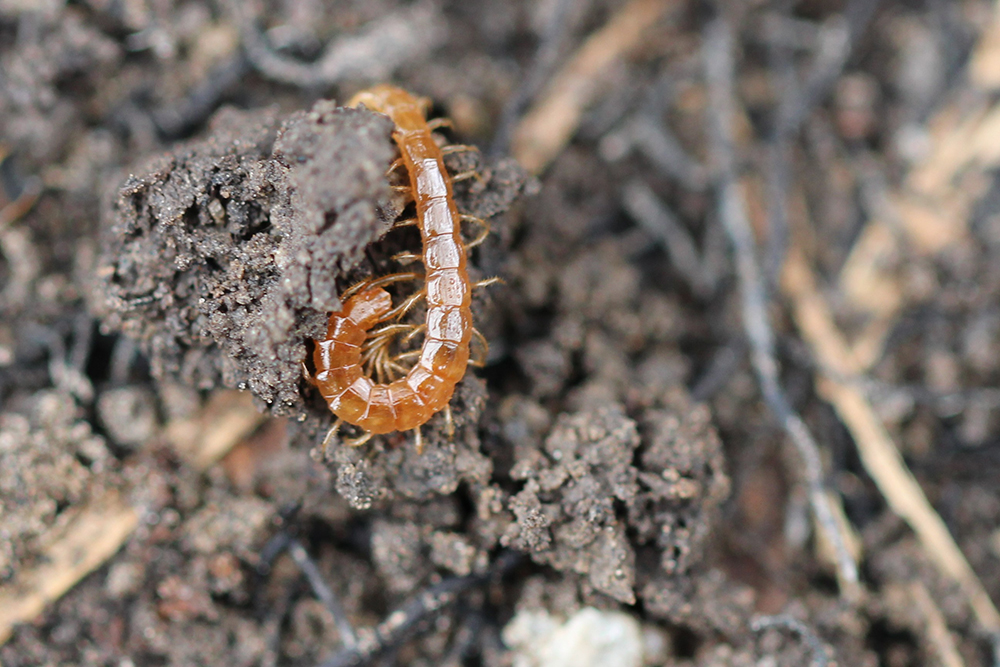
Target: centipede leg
390	369
452	149
407	356
307	374
360	440
379	363
449	422
325	445
419	329
484	346
396	164
405	222
405	191
381	281
483	233
465	175
438	123
382	338
486	282
405	258
397	368
389	330
406	306
418	440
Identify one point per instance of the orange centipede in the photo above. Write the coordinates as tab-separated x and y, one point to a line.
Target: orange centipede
426	388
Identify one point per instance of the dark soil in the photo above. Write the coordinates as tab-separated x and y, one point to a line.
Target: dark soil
201	213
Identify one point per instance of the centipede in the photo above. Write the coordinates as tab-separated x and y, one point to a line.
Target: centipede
387	403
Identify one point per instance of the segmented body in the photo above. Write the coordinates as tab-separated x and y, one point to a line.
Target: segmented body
427	387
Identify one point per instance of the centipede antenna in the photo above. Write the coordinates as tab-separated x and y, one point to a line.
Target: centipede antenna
438	123
325	445
485	346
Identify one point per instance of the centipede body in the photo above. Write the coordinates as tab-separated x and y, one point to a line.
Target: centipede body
409	401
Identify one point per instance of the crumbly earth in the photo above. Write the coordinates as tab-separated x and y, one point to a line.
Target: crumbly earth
221	256
200	216
50	459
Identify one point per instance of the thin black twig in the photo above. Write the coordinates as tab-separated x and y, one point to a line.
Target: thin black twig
551	44
271	627
373	53
719	371
176	121
820	654
323	592
402	623
837	39
718	63
645	133
659	222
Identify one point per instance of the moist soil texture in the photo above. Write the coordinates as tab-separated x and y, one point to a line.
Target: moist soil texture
184	200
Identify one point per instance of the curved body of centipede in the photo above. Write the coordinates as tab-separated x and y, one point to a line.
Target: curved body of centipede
427	387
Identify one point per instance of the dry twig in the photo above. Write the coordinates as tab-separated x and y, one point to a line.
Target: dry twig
923	217
938	639
550	124
227	418
91	538
878	453
550	45
836	42
718	59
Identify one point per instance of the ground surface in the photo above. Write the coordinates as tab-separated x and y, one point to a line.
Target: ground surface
182	201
